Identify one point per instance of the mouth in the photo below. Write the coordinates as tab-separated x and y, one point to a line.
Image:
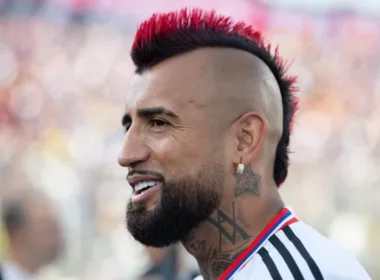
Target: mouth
146	191
143	186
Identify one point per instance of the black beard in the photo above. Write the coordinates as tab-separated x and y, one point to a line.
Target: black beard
184	205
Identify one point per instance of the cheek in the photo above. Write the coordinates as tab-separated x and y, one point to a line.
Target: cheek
180	155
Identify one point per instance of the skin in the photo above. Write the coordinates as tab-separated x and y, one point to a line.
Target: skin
222	98
38	242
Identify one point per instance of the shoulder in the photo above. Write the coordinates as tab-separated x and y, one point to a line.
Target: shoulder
300	251
307	245
13	271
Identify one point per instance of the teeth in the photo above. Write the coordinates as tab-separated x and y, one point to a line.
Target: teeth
144	184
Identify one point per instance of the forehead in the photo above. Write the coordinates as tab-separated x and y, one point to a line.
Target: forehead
175	83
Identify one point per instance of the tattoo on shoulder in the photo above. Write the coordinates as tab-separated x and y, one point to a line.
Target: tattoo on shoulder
247	182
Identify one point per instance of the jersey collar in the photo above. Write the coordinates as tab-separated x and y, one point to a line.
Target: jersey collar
284	218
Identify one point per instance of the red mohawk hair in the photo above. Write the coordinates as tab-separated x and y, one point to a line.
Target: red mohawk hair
172	22
169	34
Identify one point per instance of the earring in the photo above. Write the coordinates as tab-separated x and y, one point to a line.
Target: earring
240	168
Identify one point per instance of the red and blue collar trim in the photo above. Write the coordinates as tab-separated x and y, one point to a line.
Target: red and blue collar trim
283	218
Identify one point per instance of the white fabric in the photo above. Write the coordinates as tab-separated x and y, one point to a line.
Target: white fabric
12	271
301	262
334	262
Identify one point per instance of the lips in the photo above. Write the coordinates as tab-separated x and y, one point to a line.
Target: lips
143	186
148	194
142	183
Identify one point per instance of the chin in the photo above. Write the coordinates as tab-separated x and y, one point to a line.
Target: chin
183	205
160	228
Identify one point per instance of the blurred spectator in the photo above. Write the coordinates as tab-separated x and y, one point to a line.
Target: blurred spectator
34	234
163	264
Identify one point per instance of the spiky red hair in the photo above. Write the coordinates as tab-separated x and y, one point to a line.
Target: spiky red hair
168	34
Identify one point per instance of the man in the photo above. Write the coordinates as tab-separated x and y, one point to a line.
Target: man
34	234
208	120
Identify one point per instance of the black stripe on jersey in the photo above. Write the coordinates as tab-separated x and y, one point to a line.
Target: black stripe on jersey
304	253
269	263
294	269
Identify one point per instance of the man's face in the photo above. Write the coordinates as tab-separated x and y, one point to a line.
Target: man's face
176	158
42	233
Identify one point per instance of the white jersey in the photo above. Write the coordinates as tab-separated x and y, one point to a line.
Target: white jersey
11	271
289	249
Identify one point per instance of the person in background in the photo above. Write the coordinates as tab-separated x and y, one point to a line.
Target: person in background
163	264
166	265
33	234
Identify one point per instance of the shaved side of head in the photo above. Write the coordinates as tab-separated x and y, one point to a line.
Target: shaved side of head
230	83
242	83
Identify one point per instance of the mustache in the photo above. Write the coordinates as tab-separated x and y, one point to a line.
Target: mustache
146	172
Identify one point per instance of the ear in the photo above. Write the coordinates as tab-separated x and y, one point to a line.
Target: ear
252	131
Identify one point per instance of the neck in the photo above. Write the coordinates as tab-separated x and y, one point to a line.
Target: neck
233	227
19	257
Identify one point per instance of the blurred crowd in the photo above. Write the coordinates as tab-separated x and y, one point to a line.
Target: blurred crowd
62	85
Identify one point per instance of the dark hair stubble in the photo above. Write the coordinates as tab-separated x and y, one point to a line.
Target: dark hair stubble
185	203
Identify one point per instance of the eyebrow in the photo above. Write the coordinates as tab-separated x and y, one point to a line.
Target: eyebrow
149	112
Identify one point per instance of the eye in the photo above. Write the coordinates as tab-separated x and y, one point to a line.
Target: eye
158	122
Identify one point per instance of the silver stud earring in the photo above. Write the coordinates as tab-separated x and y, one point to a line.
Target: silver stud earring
240	169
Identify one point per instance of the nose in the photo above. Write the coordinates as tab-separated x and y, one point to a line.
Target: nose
134	150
